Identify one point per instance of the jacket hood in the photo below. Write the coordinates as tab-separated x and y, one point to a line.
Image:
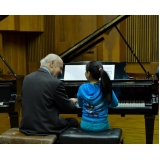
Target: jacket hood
91	92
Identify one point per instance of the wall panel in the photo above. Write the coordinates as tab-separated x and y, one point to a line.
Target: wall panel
40	44
111	47
29	23
10	23
71	29
14	52
63	31
143	36
34	23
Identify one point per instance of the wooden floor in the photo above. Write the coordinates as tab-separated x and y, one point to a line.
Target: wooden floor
132	125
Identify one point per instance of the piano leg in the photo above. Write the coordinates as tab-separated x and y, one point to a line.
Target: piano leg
149	128
14	121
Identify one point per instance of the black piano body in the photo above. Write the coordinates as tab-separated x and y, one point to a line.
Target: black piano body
14	83
135	97
135	94
142	92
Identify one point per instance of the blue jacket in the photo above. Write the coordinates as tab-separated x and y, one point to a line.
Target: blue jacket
94	108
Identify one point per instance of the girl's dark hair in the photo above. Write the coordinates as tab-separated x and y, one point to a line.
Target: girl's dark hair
96	70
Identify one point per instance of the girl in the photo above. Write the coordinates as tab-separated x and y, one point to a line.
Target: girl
95	97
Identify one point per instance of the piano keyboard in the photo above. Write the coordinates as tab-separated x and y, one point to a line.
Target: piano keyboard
3	104
128	105
131	105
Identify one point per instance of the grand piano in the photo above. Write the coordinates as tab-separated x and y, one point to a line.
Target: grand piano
10	91
136	96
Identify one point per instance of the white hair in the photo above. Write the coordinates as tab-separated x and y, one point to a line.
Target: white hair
46	60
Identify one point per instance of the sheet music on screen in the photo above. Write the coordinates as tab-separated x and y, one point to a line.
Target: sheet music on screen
77	72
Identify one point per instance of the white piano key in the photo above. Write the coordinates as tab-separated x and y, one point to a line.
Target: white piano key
131	105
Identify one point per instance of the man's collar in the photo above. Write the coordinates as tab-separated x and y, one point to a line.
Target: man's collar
46	70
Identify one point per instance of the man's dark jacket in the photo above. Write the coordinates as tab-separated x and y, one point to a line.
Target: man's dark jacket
43	98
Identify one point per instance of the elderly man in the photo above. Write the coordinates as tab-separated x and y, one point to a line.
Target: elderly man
43	98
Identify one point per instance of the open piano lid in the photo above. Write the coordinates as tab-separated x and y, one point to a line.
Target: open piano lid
3	17
91	40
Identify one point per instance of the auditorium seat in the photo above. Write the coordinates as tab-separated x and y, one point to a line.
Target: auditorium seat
79	136
14	136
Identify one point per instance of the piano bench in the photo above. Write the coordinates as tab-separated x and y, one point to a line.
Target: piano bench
14	136
79	136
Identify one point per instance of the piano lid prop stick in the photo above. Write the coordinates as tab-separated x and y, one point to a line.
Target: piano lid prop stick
8	66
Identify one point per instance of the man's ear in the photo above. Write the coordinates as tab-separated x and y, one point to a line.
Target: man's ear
52	63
